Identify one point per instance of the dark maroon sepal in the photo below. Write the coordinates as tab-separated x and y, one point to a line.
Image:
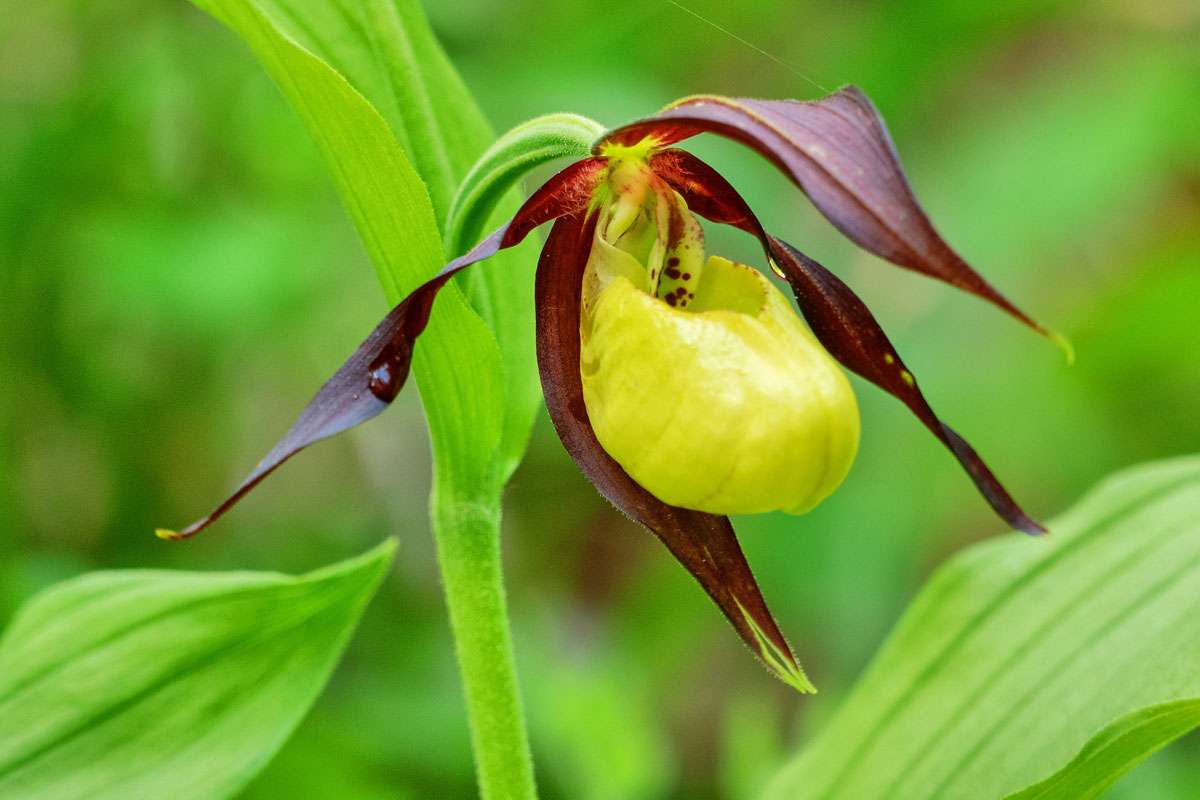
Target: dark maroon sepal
706	191
704	544
838	151
838	317
844	324
371	378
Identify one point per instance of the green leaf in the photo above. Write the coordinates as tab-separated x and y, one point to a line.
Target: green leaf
529	145
145	683
1022	654
457	365
1116	750
480	390
387	51
503	294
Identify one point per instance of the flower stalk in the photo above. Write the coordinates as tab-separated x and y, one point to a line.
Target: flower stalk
467	534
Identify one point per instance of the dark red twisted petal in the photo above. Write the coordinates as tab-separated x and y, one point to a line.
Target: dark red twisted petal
704	544
838	317
375	373
844	324
838	151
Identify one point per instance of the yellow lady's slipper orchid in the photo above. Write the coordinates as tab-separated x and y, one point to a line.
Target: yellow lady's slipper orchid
698	376
686	388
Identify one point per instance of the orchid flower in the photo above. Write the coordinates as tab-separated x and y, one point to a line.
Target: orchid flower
685	387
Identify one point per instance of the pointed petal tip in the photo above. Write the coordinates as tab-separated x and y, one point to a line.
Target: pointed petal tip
795	678
1031	527
801	684
1063	344
838	151
170	535
778	658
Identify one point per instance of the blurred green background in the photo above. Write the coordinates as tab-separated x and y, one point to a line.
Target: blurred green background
176	278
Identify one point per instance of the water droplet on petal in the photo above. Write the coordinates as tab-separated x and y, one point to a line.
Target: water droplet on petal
388	372
382	380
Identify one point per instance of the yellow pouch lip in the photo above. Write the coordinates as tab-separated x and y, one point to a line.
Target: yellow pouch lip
798	414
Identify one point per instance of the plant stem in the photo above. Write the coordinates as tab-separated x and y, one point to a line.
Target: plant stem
468	545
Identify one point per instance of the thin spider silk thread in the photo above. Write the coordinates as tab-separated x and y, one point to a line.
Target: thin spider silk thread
772	57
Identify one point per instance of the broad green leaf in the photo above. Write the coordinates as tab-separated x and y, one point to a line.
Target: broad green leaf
1116	750
457	362
146	683
1022	654
387	51
523	148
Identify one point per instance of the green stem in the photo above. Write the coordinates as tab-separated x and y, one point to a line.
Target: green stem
468	545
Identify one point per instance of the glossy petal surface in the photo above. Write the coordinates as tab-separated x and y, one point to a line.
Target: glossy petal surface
728	405
375	373
838	151
704	544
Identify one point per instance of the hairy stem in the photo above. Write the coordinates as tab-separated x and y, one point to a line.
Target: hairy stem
468	545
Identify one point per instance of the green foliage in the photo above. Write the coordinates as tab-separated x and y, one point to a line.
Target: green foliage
1020	653
387	52
1115	750
529	145
148	683
500	290
479	390
176	277
601	744
458	363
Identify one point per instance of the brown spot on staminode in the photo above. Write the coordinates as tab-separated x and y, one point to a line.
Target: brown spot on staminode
673	261
675	229
671	299
681	291
672	273
687	276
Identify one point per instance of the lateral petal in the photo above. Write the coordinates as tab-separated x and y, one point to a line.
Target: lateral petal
838	317
375	373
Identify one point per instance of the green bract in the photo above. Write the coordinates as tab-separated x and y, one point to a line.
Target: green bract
698	377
